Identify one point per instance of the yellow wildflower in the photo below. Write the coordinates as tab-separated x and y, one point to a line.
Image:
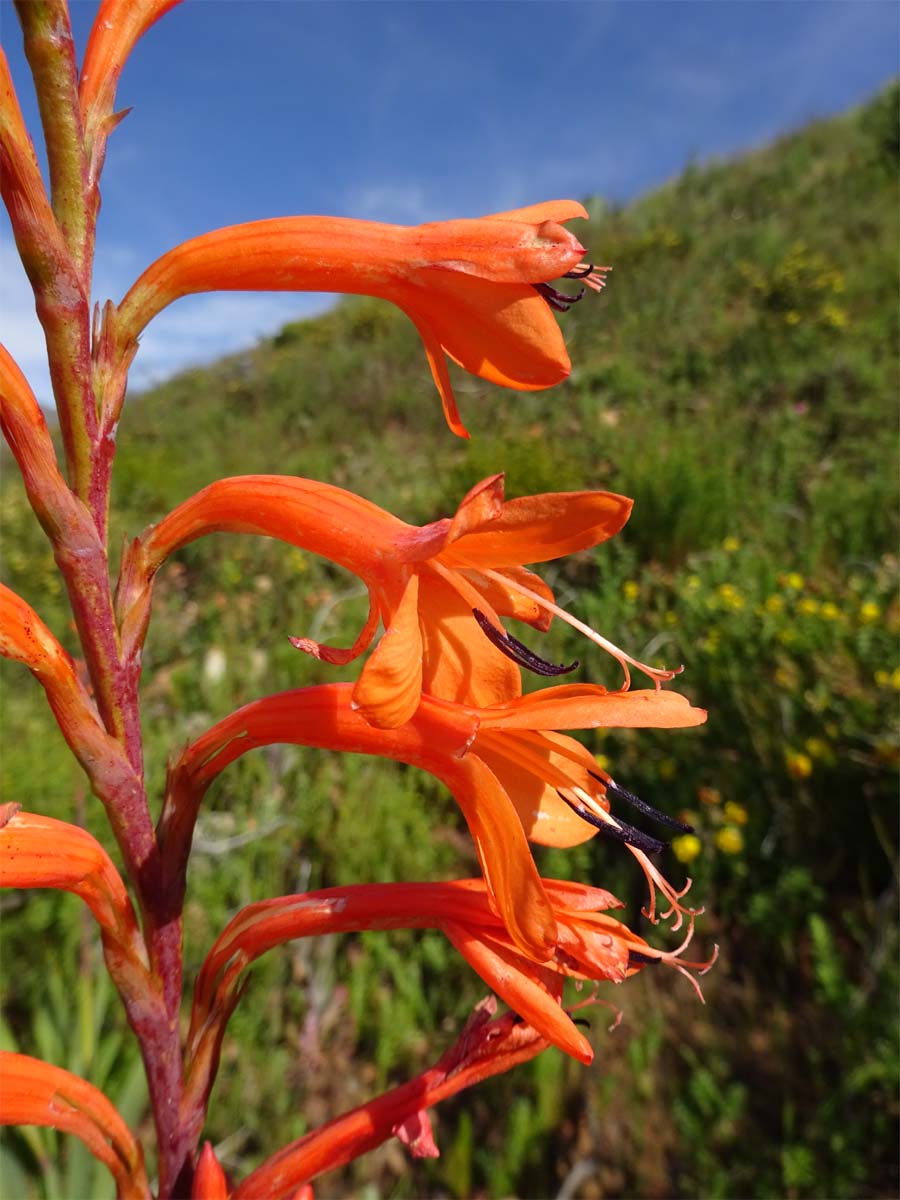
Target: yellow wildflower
808	606
730	840
774	604
730	544
687	847
693	583
631	589
735	813
830	611
799	765
817	748
793	581
730	595
869	612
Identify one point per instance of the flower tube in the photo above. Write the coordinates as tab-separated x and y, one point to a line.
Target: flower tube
477	290
35	1093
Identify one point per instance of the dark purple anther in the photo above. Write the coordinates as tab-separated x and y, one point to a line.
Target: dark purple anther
620	832
557	300
518	651
619	793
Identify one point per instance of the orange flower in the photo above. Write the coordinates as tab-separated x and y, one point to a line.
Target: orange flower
504	770
591	946
440	590
25	638
477	290
38	852
35	1093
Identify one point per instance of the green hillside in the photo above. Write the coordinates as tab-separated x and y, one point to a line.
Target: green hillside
739	379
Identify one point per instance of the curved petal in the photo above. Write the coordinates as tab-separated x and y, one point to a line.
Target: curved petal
509	870
535	529
509	601
502	332
334	654
460	664
434	352
483	502
546	210
546	819
519	984
587	706
389	689
37	851
36	1093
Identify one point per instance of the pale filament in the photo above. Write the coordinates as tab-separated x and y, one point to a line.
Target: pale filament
659	675
597	277
671	958
654	879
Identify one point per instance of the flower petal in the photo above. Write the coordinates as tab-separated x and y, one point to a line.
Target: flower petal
535	529
334	654
587	706
502	249
506	861
36	1093
390	687
460	664
546	210
434	352
519	984
502	332
546	819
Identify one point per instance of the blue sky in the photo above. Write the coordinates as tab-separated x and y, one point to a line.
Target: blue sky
424	110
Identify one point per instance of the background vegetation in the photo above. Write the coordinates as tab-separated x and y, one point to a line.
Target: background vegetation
739	379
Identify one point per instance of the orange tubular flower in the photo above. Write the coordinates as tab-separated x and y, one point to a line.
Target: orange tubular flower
39	852
591	946
25	638
486	1047
440	589
35	1093
477	290
510	773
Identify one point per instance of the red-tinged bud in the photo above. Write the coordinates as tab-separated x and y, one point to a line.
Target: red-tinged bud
209	1178
33	1092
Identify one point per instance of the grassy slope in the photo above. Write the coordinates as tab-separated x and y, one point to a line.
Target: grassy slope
738	378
